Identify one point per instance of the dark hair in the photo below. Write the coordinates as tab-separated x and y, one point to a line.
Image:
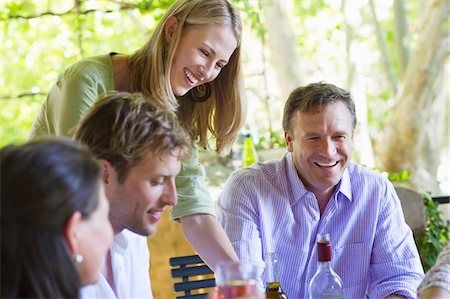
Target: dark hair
43	182
314	98
123	127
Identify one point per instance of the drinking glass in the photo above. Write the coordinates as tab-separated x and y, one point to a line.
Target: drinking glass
236	280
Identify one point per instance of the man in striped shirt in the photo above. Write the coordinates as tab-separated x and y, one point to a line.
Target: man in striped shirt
281	205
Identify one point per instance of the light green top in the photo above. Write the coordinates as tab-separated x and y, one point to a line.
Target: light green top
76	90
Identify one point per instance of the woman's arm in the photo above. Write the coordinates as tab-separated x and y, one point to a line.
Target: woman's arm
436	283
208	238
435	293
196	212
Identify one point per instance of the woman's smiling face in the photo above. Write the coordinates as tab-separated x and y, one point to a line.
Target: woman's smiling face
202	52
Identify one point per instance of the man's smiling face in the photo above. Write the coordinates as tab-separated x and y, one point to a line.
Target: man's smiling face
321	145
137	203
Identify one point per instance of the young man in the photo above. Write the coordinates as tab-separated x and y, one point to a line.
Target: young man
281	205
139	148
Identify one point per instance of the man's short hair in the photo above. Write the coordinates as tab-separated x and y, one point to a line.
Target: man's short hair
123	127
314	98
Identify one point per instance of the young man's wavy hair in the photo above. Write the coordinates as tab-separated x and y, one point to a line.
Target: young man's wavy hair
124	127
223	114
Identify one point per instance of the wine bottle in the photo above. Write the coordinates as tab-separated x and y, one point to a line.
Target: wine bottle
273	286
249	155
325	284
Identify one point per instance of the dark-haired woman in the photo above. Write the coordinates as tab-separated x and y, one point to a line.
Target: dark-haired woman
55	230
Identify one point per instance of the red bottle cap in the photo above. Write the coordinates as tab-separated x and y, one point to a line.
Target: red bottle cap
324	251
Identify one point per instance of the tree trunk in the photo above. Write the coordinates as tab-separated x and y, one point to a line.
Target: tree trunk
284	55
415	134
356	84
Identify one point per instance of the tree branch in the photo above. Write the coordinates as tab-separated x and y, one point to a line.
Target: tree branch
384	53
79	27
22	95
74	10
401	32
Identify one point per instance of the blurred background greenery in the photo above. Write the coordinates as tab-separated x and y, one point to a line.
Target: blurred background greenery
391	54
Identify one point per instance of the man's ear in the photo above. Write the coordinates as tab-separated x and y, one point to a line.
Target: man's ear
72	233
170	27
288	139
107	169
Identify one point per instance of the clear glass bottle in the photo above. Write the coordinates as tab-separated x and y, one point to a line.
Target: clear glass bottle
325	284
273	286
249	155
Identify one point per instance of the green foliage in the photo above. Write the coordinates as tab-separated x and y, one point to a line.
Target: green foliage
379	117
17	7
250	13
304	12
18	111
436	234
437	230
156	7
270	140
399	177
42	38
396	177
312	8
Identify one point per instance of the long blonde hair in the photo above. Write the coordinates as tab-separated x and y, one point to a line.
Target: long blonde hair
223	114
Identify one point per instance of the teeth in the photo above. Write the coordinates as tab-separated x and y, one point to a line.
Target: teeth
190	76
327	165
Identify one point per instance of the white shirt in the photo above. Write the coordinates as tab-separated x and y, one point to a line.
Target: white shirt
130	260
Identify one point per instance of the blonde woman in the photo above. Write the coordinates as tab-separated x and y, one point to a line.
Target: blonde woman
191	66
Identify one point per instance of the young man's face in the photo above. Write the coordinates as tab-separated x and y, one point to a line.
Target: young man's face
137	203
321	146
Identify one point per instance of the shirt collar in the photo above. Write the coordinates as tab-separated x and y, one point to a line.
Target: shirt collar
299	190
344	185
121	240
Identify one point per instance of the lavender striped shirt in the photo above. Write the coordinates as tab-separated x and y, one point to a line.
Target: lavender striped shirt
266	208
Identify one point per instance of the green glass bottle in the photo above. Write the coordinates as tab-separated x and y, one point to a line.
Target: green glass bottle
273	286
249	155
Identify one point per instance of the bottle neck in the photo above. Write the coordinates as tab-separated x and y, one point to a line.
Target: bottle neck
324	265
272	269
324	256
